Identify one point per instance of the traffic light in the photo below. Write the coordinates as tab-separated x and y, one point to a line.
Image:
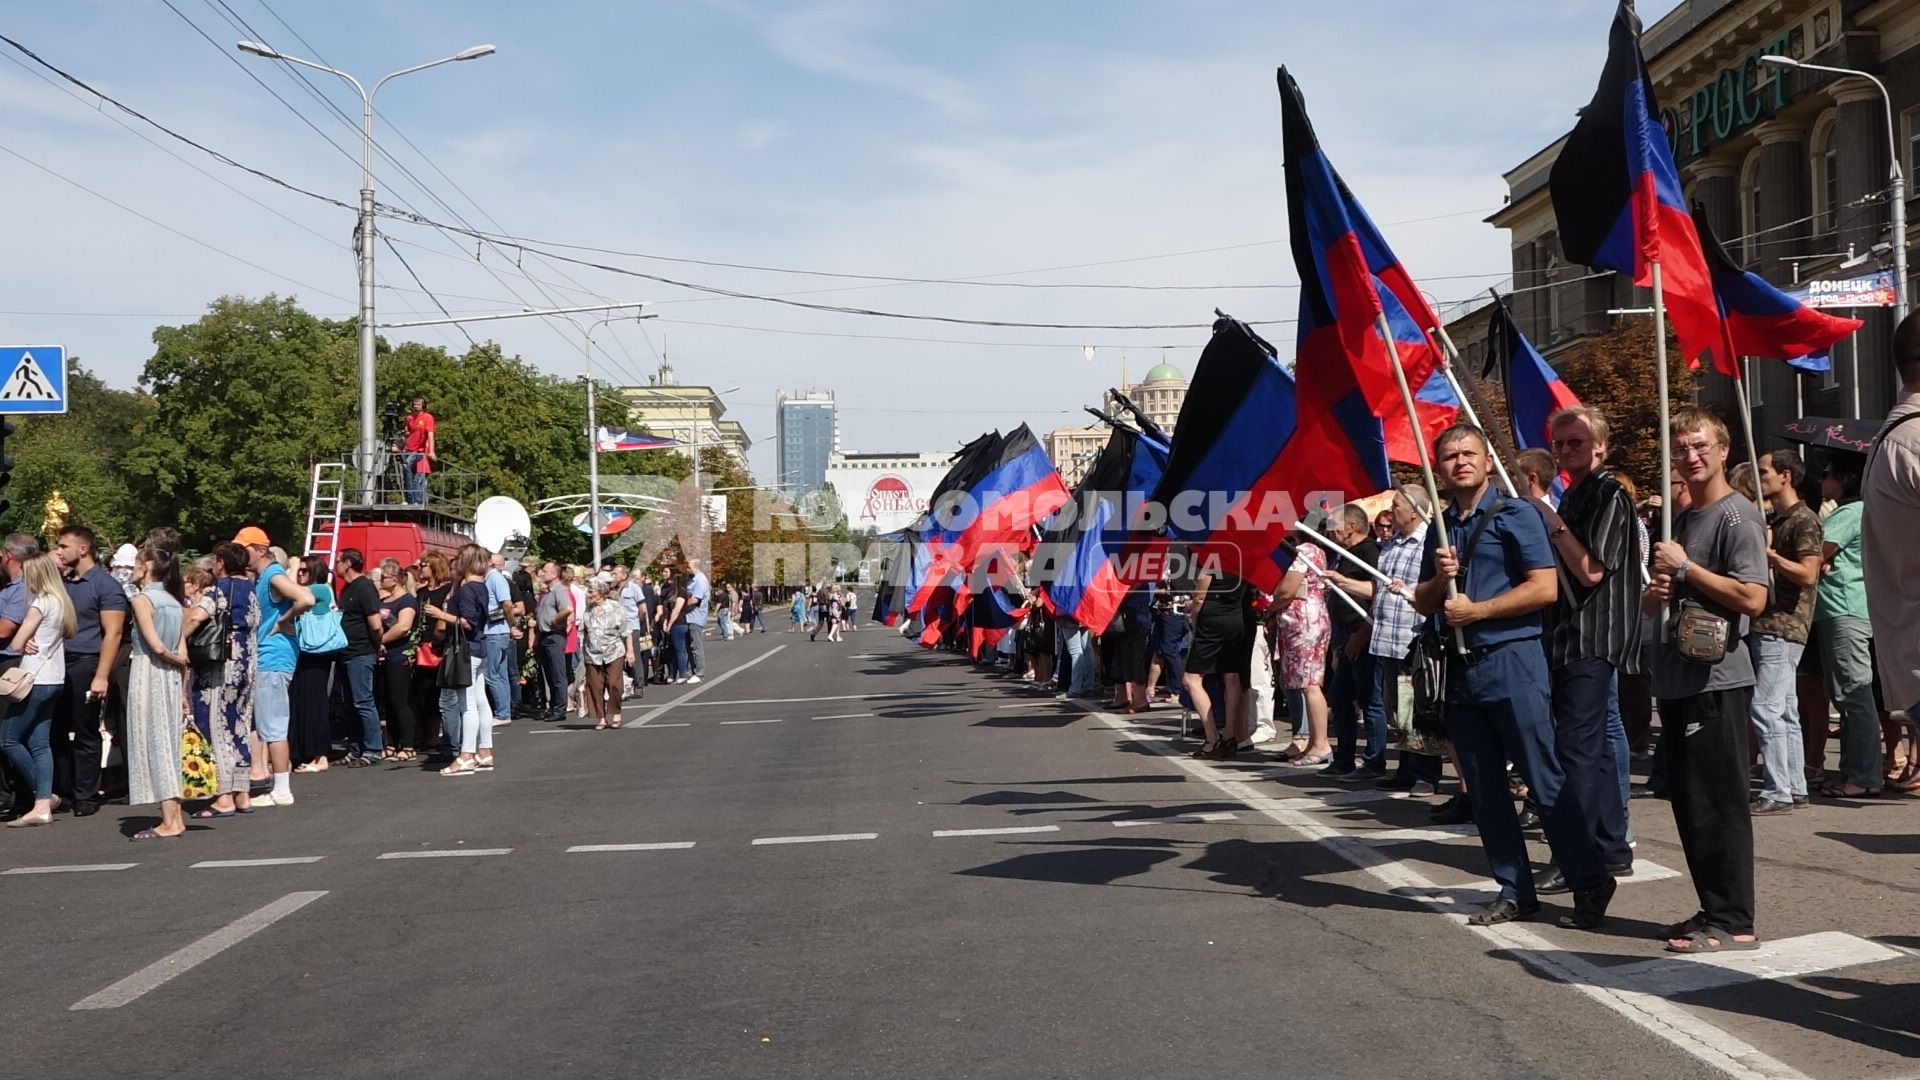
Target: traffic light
6	462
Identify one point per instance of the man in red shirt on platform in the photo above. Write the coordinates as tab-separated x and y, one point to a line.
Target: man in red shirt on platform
418	451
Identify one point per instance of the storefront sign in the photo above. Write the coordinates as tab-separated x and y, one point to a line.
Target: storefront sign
1734	100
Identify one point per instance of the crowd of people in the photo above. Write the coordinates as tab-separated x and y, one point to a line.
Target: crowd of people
1563	620
201	687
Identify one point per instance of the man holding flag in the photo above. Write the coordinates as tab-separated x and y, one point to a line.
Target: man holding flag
1496	549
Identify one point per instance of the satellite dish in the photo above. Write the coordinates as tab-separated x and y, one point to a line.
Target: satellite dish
501	524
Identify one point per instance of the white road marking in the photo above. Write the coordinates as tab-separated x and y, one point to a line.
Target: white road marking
78	868
223	864
1177	819
658	711
676	845
652	726
1787	958
824	839
1436	834
829	697
775	720
449	853
184	960
844	716
1672	1023
997	832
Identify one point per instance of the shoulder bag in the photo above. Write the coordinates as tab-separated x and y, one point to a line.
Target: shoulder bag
212	641
1430	653
455	671
320	632
17	681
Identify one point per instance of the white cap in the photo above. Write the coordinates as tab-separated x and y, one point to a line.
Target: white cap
125	555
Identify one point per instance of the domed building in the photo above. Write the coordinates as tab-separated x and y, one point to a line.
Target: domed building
1160	394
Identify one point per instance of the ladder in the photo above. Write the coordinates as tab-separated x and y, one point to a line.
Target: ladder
324	500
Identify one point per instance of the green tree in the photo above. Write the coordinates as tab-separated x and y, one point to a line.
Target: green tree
80	455
244	398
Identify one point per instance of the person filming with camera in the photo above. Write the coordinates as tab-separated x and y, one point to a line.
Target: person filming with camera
418	452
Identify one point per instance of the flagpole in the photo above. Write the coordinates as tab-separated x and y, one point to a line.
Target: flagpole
1466	403
1746	423
1666	423
1419	440
1370	570
1309	568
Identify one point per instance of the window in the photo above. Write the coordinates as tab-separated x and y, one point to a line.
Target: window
1910	122
1749	222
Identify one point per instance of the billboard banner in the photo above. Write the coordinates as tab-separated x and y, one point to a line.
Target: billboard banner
884	499
1868	290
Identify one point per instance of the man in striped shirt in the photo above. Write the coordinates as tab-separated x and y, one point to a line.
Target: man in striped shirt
1593	630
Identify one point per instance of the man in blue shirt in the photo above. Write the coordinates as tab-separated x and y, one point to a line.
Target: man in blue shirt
277	601
1495	550
101	608
699	597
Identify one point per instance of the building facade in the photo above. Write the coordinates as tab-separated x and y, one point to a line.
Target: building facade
1791	166
1160	395
885	492
1072	449
809	433
694	415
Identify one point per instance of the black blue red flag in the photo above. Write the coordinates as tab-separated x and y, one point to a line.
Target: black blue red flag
1760	320
1092	555
1534	390
1617	197
1346	270
1248	458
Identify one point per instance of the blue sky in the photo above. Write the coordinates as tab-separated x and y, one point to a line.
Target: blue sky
901	139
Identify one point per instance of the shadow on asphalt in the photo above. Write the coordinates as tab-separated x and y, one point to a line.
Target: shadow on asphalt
1853	1010
1027	798
1058	721
1874	844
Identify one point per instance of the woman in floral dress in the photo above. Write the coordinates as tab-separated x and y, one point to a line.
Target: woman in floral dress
1305	630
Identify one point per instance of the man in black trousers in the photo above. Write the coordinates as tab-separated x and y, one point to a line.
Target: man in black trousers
100	607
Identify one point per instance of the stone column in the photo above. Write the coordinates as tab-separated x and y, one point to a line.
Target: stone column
1860	135
1786	201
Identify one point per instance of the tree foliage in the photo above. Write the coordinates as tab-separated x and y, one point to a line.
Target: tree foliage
81	456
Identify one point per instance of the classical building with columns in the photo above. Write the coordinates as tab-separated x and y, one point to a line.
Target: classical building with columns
1791	166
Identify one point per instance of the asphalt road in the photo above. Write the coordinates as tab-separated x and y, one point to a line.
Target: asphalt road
609	903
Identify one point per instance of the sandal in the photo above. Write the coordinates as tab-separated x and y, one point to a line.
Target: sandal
1690	925
615	722
149	834
210	813
1831	790
1205	753
601	726
1309	760
309	767
1711	940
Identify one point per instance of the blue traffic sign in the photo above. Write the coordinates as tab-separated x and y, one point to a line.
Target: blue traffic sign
33	379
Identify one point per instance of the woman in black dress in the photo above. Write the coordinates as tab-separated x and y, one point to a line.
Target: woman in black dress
310	735
1222	614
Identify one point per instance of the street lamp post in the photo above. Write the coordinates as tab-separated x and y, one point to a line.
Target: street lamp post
593	436
1896	181
369	449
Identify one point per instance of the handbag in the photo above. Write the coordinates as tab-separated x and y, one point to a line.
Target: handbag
199	773
1699	634
320	632
454	674
1430	653
16	683
212	641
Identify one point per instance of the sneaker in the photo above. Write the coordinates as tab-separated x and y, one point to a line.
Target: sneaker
1337	771
1400	782
1264	734
502	721
1423	789
1770	806
1455	811
1800	801
1363	774
691	679
263	798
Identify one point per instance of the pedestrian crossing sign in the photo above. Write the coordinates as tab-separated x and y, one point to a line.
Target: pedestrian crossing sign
33	379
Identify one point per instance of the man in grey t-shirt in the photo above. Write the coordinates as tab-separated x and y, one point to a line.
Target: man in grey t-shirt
1715	568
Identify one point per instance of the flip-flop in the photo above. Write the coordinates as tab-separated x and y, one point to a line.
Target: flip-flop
211	813
1711	940
149	834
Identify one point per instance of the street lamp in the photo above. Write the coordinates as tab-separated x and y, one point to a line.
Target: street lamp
593	434
1896	176
369	450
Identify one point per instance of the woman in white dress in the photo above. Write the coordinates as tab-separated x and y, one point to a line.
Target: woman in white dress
156	694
